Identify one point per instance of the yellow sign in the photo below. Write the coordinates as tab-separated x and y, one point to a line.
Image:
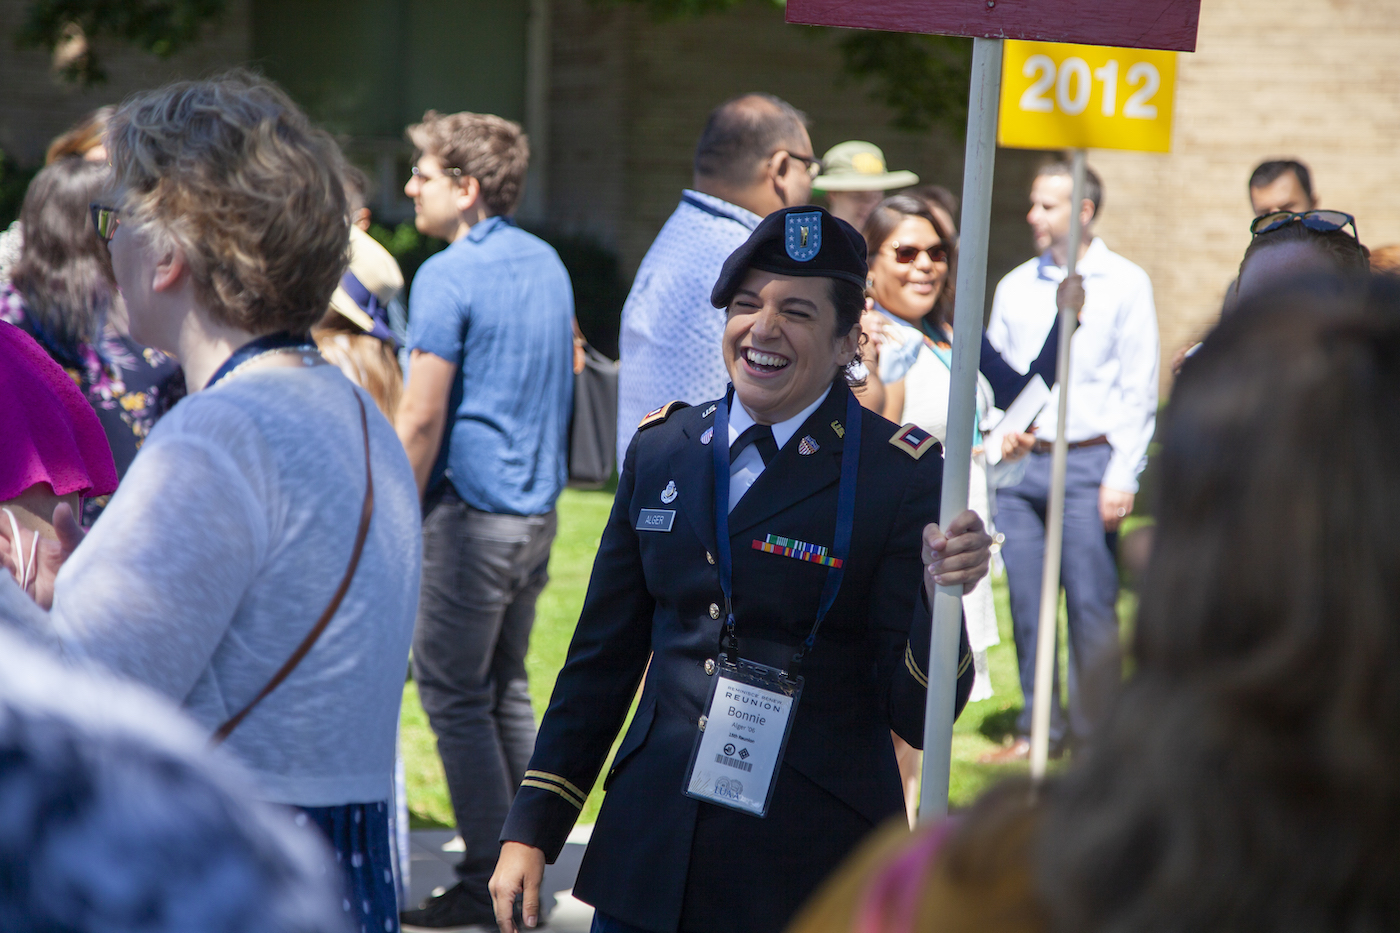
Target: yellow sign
1056	96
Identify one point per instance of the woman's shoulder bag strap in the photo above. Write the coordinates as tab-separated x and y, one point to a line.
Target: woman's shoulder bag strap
366	511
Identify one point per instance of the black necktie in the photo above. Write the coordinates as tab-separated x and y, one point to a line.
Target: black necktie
759	435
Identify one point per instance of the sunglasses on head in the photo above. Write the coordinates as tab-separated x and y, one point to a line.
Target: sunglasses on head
1321	221
907	254
104	220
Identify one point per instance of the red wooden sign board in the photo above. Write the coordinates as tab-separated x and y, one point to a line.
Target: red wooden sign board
1140	24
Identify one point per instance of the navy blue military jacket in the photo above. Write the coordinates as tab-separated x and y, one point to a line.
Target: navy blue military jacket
660	860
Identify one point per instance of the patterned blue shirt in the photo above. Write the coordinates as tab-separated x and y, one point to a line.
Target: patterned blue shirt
670	339
498	304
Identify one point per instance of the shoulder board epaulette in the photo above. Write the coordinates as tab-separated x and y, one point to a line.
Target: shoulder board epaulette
661	414
913	440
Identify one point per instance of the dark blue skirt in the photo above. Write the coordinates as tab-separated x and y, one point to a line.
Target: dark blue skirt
359	834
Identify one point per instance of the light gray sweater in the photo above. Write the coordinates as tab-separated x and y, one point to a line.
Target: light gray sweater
223	545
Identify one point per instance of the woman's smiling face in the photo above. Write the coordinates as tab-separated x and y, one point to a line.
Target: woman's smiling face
780	343
909	290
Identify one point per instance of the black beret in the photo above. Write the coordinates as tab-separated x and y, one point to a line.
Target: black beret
803	240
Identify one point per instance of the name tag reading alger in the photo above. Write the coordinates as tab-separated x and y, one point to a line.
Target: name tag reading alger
655	519
742	740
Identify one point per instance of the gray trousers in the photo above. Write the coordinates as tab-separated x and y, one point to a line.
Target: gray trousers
482	574
1089	574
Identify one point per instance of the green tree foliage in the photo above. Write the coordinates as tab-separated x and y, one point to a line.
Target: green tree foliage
922	79
161	27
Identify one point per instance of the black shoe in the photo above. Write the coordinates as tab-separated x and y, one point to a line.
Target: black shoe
454	908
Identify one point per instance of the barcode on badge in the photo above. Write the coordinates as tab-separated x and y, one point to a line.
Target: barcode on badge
734	762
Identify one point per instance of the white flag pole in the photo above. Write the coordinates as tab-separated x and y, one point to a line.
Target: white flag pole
1045	643
983	101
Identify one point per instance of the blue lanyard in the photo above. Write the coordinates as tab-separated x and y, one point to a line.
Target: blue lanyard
278	341
845	520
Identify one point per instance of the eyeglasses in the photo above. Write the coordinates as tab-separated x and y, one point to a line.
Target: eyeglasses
1321	221
814	165
907	254
104	220
424	177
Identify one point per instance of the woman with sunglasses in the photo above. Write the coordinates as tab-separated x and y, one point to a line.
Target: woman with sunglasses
1287	244
912	256
260	563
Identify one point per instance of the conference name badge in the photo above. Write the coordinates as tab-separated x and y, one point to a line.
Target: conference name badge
743	737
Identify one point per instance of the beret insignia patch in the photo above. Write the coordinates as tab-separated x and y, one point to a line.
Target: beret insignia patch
803	235
913	440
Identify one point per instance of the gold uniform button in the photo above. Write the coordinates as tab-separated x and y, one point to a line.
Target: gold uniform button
709	557
709	665
714	610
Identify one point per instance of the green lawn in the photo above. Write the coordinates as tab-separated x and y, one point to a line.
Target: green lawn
581	518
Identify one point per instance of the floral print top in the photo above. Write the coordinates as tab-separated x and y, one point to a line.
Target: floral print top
128	385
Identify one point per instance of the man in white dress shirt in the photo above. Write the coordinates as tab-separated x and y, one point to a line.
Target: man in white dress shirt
754	157
1112	413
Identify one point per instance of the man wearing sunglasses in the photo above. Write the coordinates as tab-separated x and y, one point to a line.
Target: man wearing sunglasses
1112	413
754	157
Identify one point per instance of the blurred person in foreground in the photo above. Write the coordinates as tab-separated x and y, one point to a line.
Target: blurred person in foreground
1112	413
854	179
1244	778
754	157
81	141
778	502
913	262
274	479
61	294
484	419
116	817
1285	245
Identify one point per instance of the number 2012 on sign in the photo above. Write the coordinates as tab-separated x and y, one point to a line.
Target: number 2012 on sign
1065	96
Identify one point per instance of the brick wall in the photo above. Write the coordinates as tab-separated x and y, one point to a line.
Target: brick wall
1315	79
35	106
630	96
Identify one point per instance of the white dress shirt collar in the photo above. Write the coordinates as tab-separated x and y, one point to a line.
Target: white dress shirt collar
1091	264
748	466
739	419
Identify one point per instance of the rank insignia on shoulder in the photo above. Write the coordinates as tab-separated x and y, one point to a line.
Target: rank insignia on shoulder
913	440
661	414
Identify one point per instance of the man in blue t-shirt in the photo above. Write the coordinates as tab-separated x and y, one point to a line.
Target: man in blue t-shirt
484	419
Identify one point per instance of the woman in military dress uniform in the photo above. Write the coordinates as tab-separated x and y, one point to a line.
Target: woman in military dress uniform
823	577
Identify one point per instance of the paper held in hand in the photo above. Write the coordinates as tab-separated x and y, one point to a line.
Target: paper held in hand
1020	414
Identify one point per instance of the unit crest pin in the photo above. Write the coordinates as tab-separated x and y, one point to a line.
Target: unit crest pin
808	446
709	433
668	495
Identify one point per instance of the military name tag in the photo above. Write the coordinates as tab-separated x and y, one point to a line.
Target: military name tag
656	519
742	739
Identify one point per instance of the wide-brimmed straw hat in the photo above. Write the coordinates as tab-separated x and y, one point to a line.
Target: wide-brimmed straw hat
856	165
368	286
